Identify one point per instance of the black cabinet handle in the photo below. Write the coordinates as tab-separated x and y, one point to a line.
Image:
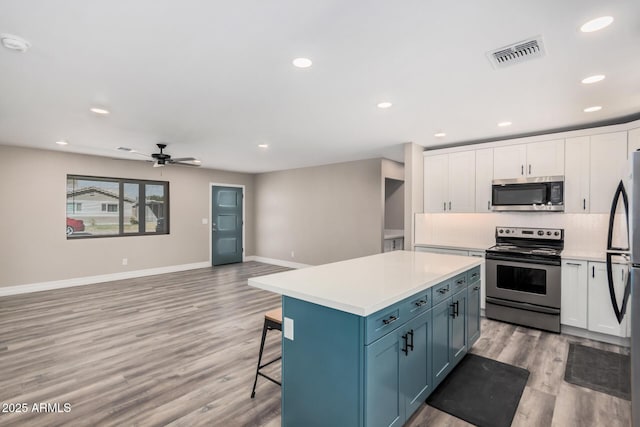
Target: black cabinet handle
584	204
521	169
593	271
488	205
444	206
529	169
453	310
405	348
410	346
457	309
390	320
449	205
460	282
443	290
475	288
420	303
474	275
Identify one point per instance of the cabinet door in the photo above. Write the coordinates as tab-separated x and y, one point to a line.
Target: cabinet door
441	347
388	245
383	405
483	268
462	182
509	161
601	315
573	311
473	313
398	244
545	158
484	176
459	326
608	165
416	364
576	177
436	185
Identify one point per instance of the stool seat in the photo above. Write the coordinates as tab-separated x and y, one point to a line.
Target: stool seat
274	315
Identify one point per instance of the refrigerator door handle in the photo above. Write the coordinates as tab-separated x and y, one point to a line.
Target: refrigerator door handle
618	310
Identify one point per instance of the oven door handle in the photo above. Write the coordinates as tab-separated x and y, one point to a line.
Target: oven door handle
523	305
534	261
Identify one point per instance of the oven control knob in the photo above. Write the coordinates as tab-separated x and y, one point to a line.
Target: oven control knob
557	233
548	233
540	232
501	231
507	231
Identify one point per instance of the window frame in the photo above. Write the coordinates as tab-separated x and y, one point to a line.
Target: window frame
142	203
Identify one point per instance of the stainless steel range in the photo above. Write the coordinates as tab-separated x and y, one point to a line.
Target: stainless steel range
523	277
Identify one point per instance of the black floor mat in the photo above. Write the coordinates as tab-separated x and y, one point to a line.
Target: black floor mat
481	391
599	370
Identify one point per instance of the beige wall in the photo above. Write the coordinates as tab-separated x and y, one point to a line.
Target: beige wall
414	187
33	244
322	214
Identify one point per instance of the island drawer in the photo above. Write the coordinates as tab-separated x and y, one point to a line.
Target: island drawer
473	275
384	321
459	282
442	291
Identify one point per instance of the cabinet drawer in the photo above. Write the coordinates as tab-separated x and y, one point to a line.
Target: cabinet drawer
459	282
473	275
384	321
418	303
442	291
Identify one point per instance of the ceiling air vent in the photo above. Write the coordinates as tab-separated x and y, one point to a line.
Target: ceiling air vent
517	52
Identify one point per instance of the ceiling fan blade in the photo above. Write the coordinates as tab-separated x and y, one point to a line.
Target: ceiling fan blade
184	159
195	165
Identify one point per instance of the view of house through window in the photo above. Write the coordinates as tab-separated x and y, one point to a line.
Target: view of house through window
98	207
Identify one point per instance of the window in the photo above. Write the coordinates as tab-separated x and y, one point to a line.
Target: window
100	207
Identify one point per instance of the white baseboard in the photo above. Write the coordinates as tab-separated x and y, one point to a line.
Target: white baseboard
90	280
596	336
274	261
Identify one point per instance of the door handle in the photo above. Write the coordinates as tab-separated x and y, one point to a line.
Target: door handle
410	346
529	169
457	312
213	227
584	204
390	320
405	348
420	303
521	169
593	271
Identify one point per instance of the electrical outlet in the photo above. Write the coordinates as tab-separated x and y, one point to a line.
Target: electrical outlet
288	328
205	221
125	261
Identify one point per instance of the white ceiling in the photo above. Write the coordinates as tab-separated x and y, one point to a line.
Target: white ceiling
214	79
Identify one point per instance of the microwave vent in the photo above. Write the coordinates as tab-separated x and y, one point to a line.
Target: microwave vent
517	52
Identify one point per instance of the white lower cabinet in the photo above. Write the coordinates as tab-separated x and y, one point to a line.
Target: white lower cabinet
601	316
573	311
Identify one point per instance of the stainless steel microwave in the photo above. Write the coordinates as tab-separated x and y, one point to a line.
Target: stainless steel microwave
528	194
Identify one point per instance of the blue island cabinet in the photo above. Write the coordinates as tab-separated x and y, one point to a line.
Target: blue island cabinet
341	369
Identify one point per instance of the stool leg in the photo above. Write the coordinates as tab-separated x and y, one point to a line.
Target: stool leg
264	335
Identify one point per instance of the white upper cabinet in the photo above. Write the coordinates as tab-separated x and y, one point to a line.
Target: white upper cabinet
462	182
509	161
436	183
484	176
608	165
449	182
529	160
634	140
576	175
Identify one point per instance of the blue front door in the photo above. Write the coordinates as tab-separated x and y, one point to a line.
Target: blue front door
226	225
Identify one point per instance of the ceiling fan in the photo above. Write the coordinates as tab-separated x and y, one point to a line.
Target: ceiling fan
161	159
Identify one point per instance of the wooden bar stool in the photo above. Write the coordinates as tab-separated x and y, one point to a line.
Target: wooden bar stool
272	320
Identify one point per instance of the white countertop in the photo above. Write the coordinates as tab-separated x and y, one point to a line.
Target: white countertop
365	285
460	248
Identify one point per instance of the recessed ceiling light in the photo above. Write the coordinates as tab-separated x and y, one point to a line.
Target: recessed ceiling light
302	62
263	145
384	105
596	24
62	142
15	43
592	109
504	124
440	134
593	79
99	110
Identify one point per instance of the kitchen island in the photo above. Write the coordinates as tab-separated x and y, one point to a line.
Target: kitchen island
365	341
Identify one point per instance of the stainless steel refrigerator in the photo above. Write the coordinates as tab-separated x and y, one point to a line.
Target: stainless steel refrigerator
634	306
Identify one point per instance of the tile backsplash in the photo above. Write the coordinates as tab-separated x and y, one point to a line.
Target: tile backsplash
583	232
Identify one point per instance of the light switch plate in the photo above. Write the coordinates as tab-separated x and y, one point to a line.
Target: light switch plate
288	328
205	221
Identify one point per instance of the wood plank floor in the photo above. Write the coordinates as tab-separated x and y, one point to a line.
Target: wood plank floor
180	349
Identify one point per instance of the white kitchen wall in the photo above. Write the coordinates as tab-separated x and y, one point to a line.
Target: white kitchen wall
584	233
